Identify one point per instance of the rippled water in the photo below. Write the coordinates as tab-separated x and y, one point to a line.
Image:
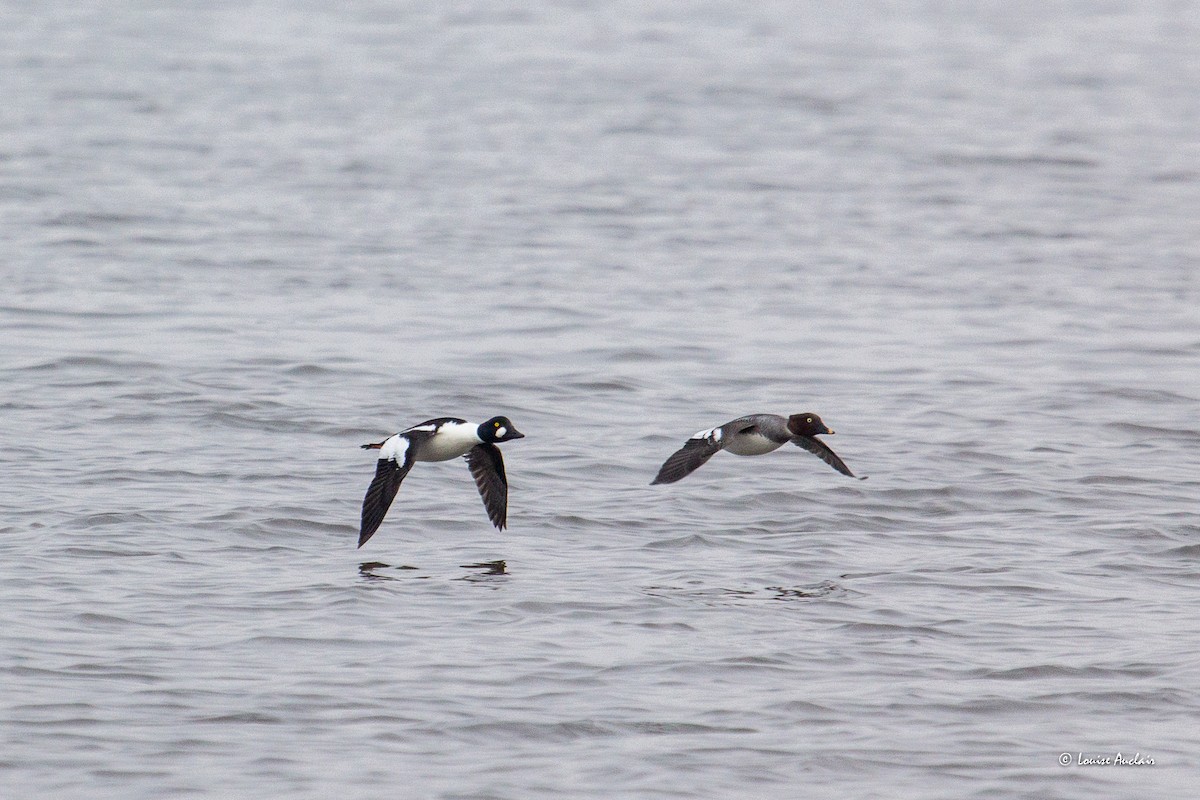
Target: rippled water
240	240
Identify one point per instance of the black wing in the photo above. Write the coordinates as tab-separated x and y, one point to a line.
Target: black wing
487	468
381	492
430	425
822	451
687	459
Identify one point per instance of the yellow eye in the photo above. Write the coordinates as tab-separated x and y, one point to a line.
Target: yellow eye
496	425
808	420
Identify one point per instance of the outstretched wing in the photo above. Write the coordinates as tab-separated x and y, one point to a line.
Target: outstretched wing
389	472
487	468
822	451
689	458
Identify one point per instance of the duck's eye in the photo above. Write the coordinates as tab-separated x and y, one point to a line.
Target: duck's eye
496	425
808	420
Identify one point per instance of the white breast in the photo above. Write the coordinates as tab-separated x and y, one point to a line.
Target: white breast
452	440
750	444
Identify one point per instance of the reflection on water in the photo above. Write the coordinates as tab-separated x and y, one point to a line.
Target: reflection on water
376	571
369	570
484	570
822	589
488	567
722	594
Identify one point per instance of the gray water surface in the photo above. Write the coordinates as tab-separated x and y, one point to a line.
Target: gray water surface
239	240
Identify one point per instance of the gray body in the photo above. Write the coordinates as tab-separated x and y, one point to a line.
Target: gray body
753	435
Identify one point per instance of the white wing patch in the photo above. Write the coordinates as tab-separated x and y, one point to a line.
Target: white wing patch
394	449
712	433
423	428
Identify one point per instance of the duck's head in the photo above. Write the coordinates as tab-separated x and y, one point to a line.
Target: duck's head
807	424
499	429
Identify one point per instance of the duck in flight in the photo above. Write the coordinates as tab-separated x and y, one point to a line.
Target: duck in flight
440	439
751	435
